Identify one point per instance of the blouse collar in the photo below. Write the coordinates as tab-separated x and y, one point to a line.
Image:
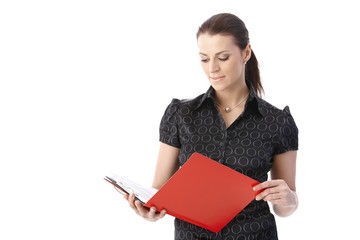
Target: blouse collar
254	101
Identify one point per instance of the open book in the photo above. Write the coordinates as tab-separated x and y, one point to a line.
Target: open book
203	192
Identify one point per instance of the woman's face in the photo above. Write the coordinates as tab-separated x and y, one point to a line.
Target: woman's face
222	61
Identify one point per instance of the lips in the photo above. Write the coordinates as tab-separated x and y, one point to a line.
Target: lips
216	78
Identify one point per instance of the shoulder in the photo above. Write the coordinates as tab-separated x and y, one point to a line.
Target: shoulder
267	108
179	109
275	115
186	104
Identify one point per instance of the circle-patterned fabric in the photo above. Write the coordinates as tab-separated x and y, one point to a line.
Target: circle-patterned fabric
247	145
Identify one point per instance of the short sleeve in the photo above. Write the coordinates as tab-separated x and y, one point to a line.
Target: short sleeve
168	131
288	136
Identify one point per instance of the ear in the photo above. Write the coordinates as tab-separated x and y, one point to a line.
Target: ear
247	53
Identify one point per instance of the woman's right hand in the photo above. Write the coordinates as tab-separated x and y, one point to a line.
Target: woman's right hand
148	214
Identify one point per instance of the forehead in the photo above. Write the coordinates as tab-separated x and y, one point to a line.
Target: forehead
211	44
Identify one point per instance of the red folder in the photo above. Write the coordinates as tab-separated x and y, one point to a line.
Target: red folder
205	193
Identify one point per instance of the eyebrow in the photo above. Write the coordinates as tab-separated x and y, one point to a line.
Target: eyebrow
215	53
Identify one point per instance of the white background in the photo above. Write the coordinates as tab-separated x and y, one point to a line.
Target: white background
83	85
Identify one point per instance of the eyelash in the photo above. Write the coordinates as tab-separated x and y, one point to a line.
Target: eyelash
221	59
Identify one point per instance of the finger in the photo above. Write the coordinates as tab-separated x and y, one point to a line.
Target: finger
159	215
152	212
267	184
148	213
131	200
261	186
266	192
131	197
162	213
143	211
273	197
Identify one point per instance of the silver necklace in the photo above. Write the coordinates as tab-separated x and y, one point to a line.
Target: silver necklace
228	109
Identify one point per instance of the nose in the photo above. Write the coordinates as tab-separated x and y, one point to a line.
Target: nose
214	66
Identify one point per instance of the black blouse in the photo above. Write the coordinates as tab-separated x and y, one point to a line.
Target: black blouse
248	145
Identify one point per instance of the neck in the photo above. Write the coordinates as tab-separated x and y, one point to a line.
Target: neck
229	99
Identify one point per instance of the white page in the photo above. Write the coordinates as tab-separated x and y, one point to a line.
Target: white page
141	192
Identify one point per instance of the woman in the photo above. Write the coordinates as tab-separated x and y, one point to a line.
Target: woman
232	124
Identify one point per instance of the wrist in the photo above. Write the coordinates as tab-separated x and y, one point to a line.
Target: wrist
288	209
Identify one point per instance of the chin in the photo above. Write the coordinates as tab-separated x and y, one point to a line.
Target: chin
218	88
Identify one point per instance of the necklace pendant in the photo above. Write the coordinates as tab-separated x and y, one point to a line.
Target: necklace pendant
227	110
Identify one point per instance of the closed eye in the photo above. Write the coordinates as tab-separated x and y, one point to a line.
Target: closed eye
223	59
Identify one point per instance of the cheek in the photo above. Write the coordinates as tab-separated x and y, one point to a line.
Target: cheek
204	68
233	68
227	69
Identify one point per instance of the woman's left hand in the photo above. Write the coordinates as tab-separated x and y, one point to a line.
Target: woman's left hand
277	192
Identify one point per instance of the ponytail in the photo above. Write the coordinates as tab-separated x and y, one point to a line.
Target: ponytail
252	74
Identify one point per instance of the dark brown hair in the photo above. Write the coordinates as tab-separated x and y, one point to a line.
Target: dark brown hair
229	24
